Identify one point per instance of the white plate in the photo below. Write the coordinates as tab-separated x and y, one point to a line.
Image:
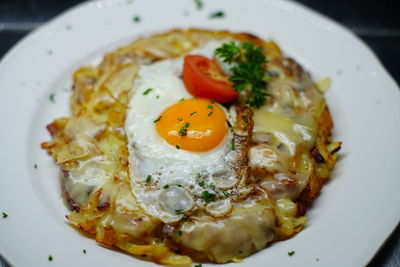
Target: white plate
351	219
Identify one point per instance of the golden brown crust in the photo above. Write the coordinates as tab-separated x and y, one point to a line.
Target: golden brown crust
324	154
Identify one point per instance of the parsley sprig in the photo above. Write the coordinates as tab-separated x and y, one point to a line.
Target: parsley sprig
248	70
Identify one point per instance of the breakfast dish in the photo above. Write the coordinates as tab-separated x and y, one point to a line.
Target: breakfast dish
193	145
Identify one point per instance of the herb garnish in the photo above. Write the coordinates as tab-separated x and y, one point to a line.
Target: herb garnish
229	124
201	183
207	196
179	119
5	215
51	97
217	14
198	175
166	186
209	114
35	166
178	147
183	130
212	101
248	70
137	19
226	194
193	113
291	253
158	119
147	91
148	179
84	251
210	107
178	211
233	145
199	4
50	258
199	265
212	186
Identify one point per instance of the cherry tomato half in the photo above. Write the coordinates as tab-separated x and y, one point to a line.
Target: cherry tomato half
203	78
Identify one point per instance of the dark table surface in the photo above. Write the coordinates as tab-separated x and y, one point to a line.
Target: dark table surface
377	22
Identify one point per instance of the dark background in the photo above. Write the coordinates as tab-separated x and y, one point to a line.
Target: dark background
377	22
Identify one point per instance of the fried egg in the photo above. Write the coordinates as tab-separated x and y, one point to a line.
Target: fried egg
180	146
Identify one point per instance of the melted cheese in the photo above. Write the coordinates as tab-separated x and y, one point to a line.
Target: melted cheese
285	130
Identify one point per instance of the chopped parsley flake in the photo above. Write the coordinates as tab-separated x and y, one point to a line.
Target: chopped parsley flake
5	215
212	186
178	147
147	91
201	183
179	119
35	166
180	233
217	14
199	265
183	130
233	145
178	211
198	175
50	258
207	196
157	96
181	99
148	179
226	194
199	4
291	253
210	107
209	114
137	19
51	97
229	124
166	186
84	251
158	119
193	113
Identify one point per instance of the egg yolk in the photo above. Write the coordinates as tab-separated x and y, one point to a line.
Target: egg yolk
194	125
